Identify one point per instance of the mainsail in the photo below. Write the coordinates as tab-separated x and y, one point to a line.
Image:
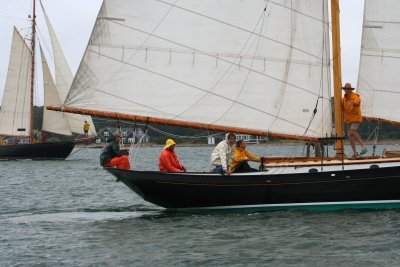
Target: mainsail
258	65
15	113
63	81
379	79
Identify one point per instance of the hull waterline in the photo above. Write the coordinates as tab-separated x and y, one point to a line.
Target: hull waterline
38	151
330	190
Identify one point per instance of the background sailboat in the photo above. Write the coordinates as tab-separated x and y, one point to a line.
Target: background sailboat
261	68
16	114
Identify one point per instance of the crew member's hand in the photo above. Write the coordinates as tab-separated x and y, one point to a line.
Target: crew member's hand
183	169
228	172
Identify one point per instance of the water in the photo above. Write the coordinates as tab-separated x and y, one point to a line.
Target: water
72	213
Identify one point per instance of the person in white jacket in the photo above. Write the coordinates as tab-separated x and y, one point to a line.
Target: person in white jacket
222	155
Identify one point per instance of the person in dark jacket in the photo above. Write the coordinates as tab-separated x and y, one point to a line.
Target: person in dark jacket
113	156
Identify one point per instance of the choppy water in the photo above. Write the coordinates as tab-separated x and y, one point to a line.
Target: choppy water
72	213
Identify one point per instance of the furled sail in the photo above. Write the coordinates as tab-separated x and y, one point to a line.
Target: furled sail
54	122
379	79
63	81
15	113
261	65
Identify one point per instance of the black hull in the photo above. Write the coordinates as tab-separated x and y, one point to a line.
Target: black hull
39	151
191	190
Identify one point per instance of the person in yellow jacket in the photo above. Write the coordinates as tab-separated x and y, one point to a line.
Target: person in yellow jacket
239	163
352	117
86	127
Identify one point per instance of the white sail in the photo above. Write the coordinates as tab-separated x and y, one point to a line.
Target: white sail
15	113
63	81
260	65
379	79
54	122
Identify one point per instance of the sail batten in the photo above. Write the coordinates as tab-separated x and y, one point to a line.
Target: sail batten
257	65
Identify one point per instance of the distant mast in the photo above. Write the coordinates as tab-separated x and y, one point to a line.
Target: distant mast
337	74
33	44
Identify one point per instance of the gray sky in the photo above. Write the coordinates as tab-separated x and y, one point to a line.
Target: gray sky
73	20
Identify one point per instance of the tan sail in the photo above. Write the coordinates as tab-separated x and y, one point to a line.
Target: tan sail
63	81
15	113
263	66
54	122
378	81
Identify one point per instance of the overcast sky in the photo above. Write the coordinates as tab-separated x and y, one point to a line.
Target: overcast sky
73	20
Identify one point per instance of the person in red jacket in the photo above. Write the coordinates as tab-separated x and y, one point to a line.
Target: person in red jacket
168	161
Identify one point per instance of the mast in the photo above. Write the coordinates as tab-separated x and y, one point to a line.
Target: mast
33	68
337	75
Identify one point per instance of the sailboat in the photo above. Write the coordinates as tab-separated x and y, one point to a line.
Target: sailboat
16	114
256	67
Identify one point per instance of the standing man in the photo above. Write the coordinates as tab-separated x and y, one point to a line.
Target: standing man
168	161
222	155
86	127
352	117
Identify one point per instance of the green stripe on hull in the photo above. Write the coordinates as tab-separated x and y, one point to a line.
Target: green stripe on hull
312	207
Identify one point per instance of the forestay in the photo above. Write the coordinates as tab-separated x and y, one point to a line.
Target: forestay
15	113
261	65
379	79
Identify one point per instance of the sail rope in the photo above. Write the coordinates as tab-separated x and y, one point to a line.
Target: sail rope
241	28
187	84
134	148
197	136
213	55
262	18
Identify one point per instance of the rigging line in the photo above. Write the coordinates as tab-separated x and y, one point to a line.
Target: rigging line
248	72
382	21
239	28
5	2
262	16
286	74
9	17
181	82
386	91
213	56
321	91
380	56
297	11
160	131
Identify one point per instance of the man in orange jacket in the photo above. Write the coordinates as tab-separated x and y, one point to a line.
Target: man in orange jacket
168	161
352	117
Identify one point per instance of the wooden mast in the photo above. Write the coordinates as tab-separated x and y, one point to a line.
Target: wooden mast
33	42
337	75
